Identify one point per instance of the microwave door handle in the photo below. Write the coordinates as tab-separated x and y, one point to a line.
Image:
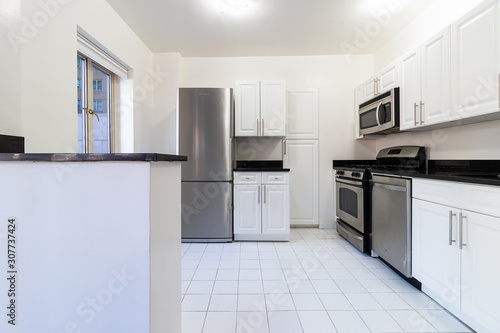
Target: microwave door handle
376	115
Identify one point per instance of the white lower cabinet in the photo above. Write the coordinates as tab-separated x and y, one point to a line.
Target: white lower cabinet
261	206
455	250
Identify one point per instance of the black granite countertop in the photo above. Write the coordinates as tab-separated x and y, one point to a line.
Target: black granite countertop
484	172
261	170
260	166
133	157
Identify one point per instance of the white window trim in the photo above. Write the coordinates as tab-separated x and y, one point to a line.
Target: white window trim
100	54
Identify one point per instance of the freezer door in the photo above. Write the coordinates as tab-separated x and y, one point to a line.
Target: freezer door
205	133
207	211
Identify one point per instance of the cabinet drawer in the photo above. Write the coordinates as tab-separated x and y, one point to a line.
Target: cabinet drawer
275	178
247	178
482	199
442	192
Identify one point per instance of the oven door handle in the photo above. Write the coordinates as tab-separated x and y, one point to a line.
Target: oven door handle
390	187
349	182
376	115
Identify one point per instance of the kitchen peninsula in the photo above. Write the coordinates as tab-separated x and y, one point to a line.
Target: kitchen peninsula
92	242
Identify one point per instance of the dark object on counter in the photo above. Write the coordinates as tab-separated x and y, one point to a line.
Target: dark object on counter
11	144
271	165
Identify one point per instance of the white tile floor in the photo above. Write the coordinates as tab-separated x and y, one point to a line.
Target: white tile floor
315	283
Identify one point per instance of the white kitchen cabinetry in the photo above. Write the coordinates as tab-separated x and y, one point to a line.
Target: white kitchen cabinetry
425	83
475	61
301	157
456	232
384	80
260	108
261	206
302	114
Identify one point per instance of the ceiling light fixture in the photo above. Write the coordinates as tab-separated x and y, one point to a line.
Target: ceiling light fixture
230	6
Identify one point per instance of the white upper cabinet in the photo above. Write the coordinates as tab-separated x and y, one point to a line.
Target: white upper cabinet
384	80
247	108
388	78
435	75
425	83
302	119
260	108
475	60
410	90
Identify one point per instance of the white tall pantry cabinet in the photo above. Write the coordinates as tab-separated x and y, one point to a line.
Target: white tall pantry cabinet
301	156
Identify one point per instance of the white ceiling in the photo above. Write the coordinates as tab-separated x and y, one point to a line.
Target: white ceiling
197	28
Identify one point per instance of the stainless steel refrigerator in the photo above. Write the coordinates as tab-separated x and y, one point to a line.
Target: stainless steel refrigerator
205	137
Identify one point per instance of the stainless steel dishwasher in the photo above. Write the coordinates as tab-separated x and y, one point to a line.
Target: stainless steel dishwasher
391	220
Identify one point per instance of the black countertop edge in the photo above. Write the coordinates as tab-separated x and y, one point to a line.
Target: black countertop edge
459	178
261	170
133	157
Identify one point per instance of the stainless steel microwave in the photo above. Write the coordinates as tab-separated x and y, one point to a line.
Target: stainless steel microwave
380	114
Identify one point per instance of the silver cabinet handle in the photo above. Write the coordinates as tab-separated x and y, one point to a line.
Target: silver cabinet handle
450	238
415	113
258	200
258	126
421	113
264	193
284	147
461	231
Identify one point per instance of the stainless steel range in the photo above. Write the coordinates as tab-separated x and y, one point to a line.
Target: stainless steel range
353	222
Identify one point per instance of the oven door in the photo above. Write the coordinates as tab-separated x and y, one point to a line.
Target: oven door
350	203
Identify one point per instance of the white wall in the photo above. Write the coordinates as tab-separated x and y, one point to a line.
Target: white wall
10	70
164	129
477	141
332	75
48	56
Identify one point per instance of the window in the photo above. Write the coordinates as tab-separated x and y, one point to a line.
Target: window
94	130
98	85
99	75
97	106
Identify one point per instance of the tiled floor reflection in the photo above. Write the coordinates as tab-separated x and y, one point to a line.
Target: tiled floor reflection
315	283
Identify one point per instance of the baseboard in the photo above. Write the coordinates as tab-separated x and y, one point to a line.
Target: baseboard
304	226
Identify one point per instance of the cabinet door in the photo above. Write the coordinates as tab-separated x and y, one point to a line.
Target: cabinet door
369	90
481	269
302	111
302	159
247	108
275	209
436	81
436	263
272	108
410	90
388	78
247	207
476	61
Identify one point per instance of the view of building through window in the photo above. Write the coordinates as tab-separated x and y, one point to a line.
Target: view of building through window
94	118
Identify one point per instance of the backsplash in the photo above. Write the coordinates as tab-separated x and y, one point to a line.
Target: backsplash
259	148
